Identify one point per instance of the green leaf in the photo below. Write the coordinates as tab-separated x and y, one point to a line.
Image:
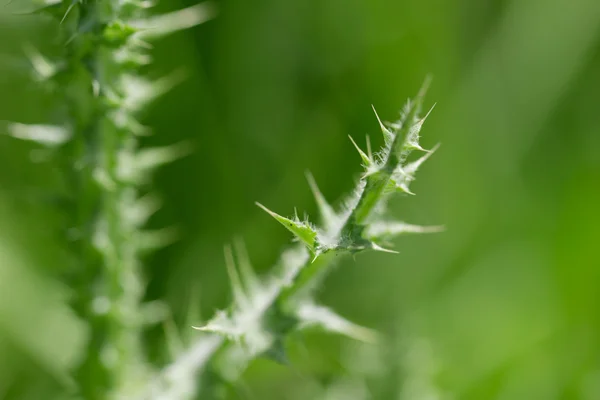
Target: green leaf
302	230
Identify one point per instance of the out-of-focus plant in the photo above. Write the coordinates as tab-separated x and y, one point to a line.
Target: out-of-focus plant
95	140
106	176
264	312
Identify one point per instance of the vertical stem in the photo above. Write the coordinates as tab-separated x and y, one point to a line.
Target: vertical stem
107	271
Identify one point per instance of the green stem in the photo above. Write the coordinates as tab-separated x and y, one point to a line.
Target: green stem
379	181
107	271
263	314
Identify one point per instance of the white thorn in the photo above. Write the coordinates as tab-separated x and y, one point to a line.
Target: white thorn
376	247
381	125
236	283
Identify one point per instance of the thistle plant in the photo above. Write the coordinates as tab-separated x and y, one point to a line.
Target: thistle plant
105	173
266	311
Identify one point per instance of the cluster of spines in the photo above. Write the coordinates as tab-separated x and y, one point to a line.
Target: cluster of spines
106	43
266	310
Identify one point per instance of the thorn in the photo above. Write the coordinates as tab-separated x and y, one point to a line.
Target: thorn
412	167
381	231
428	112
369	152
271	213
367	174
67	12
364	157
200	328
317	254
328	215
416	128
404	187
434	149
376	247
162	25
401	171
236	283
384	129
417	146
321	201
247	272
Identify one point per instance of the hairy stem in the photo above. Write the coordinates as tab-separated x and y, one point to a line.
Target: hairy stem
264	312
107	267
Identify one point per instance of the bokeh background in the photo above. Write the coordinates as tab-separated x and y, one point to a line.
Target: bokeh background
503	305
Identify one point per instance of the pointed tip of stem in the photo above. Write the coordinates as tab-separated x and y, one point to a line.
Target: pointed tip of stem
376	247
424	87
310	178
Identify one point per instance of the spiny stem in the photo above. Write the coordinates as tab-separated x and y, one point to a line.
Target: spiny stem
263	314
371	195
95	143
116	280
376	183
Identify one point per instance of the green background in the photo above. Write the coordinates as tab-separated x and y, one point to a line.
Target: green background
503	305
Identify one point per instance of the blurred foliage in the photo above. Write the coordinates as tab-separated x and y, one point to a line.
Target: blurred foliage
503	305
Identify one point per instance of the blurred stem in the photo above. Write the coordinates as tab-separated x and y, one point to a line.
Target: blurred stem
106	269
